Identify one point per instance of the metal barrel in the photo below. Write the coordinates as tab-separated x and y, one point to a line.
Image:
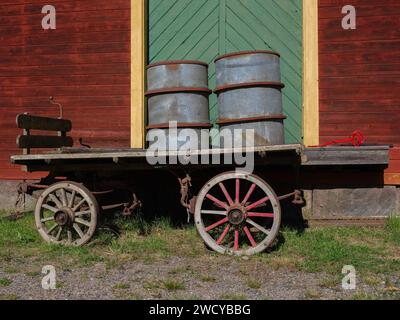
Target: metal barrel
249	95
178	73
178	91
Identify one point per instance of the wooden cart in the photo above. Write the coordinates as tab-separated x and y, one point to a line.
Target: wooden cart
235	212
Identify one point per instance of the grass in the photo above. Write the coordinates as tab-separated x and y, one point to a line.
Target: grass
8	297
139	240
253	283
364	296
173	285
312	295
32	274
207	278
372	251
122	286
369	250
4	282
152	284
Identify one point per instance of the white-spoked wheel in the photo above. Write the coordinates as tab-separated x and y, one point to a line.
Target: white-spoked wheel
66	213
237	213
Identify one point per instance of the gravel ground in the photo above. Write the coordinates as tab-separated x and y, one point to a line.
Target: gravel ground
214	277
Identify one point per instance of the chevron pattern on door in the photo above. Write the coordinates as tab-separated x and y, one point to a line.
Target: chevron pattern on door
205	29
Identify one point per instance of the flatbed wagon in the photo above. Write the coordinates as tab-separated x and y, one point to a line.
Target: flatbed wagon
235	211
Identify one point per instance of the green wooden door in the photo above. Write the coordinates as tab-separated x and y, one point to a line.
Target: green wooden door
205	29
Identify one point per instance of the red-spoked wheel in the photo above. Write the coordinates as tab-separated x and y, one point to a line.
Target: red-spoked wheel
237	213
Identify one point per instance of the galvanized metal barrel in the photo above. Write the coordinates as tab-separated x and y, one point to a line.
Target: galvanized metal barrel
178	91
249	94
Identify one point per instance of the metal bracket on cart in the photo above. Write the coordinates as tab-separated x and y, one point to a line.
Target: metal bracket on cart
186	201
297	197
24	188
130	208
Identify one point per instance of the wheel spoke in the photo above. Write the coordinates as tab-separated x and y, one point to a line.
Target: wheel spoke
214	212
48	207
237	195
250	237
47	219
83	222
213	226
78	230
80	203
55	200
63	197
52	229
223	235
59	234
249	193
72	199
219	202
227	196
82	213
69	235
255	204
236	241
260	214
257	226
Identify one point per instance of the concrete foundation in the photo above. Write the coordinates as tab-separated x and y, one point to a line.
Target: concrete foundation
352	204
8	196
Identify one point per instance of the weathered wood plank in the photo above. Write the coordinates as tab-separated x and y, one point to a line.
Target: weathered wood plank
32	141
85	153
347	156
29	122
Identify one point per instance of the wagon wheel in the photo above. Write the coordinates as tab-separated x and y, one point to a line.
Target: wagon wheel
66	213
244	221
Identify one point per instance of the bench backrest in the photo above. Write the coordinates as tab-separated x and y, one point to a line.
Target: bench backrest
27	141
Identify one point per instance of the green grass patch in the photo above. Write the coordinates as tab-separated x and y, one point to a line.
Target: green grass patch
123	286
393	229
8	297
369	250
4	282
32	274
173	285
253	283
207	278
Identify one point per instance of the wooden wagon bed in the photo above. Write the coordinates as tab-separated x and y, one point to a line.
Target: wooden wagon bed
297	154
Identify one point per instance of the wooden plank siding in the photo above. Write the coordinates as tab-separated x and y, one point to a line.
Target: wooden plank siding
84	64
205	29
359	73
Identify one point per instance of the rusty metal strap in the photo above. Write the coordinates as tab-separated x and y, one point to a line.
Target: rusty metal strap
242	53
252	119
166	63
178	90
180	125
266	84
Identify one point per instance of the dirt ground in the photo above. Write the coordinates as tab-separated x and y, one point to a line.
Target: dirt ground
181	278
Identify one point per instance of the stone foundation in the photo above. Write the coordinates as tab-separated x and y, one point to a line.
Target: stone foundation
351	204
8	196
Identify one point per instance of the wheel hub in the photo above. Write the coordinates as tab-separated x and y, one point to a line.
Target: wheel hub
236	216
64	216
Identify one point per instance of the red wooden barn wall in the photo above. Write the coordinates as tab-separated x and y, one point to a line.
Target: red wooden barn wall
360	74
84	64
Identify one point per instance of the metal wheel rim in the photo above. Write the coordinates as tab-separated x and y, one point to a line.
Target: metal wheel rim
80	229
210	241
